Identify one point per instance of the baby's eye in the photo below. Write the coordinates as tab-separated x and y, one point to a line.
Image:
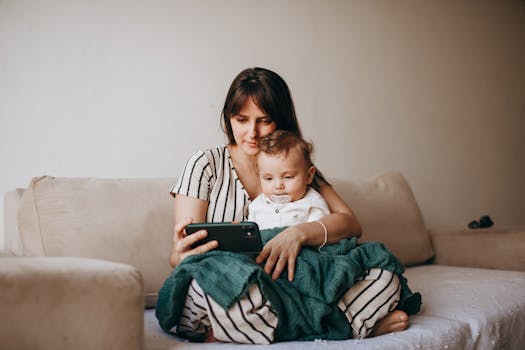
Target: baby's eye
267	179
289	177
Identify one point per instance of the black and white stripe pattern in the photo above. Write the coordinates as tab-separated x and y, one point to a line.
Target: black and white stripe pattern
251	320
369	300
194	321
209	175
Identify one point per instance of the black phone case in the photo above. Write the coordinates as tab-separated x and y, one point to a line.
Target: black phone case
243	237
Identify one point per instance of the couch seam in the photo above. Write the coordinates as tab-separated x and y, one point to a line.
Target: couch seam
38	219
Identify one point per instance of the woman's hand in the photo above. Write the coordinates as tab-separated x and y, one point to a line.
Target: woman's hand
281	251
182	243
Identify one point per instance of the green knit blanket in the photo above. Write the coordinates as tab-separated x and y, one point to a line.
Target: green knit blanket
307	306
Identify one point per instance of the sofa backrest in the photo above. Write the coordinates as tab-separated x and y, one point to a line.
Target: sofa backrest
131	220
388	212
121	220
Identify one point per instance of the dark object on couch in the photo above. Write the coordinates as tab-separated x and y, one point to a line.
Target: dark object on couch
483	222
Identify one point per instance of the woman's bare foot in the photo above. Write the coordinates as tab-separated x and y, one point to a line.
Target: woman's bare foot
209	337
395	321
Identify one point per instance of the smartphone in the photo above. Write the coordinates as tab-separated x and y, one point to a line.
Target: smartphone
241	237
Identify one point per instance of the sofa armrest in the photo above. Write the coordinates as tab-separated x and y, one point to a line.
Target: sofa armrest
501	249
12	241
6	254
70	303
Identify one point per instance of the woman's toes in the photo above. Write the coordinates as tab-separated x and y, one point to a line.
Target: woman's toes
399	326
395	321
400	315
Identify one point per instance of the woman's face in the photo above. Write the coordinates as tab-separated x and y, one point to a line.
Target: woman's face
249	125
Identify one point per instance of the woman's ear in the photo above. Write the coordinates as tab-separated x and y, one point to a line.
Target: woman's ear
310	175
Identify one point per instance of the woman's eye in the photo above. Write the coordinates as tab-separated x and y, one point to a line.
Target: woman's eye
265	120
240	119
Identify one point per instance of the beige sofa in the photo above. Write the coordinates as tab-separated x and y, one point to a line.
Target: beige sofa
85	256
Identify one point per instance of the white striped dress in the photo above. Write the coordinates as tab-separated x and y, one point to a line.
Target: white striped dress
209	175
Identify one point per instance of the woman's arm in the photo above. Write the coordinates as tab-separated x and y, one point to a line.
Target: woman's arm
188	210
282	250
341	223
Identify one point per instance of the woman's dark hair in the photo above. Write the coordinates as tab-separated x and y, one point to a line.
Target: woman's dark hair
268	91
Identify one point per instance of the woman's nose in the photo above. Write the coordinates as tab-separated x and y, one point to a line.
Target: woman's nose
252	131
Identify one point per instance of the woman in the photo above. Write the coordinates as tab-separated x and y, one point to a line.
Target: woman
218	184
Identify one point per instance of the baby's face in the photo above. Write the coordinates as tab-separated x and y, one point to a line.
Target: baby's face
284	175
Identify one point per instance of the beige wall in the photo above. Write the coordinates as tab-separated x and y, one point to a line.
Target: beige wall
435	89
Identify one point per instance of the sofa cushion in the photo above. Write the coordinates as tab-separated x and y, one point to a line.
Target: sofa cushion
463	308
490	248
128	221
490	302
388	212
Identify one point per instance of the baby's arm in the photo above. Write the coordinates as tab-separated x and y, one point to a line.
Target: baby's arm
317	208
316	213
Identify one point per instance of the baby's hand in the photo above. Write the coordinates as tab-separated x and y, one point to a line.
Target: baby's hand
281	251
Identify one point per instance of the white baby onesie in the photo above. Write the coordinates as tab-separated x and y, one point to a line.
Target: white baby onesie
269	214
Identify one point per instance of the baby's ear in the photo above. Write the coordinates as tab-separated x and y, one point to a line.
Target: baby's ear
310	175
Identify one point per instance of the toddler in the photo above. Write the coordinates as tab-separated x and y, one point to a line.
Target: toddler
285	172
